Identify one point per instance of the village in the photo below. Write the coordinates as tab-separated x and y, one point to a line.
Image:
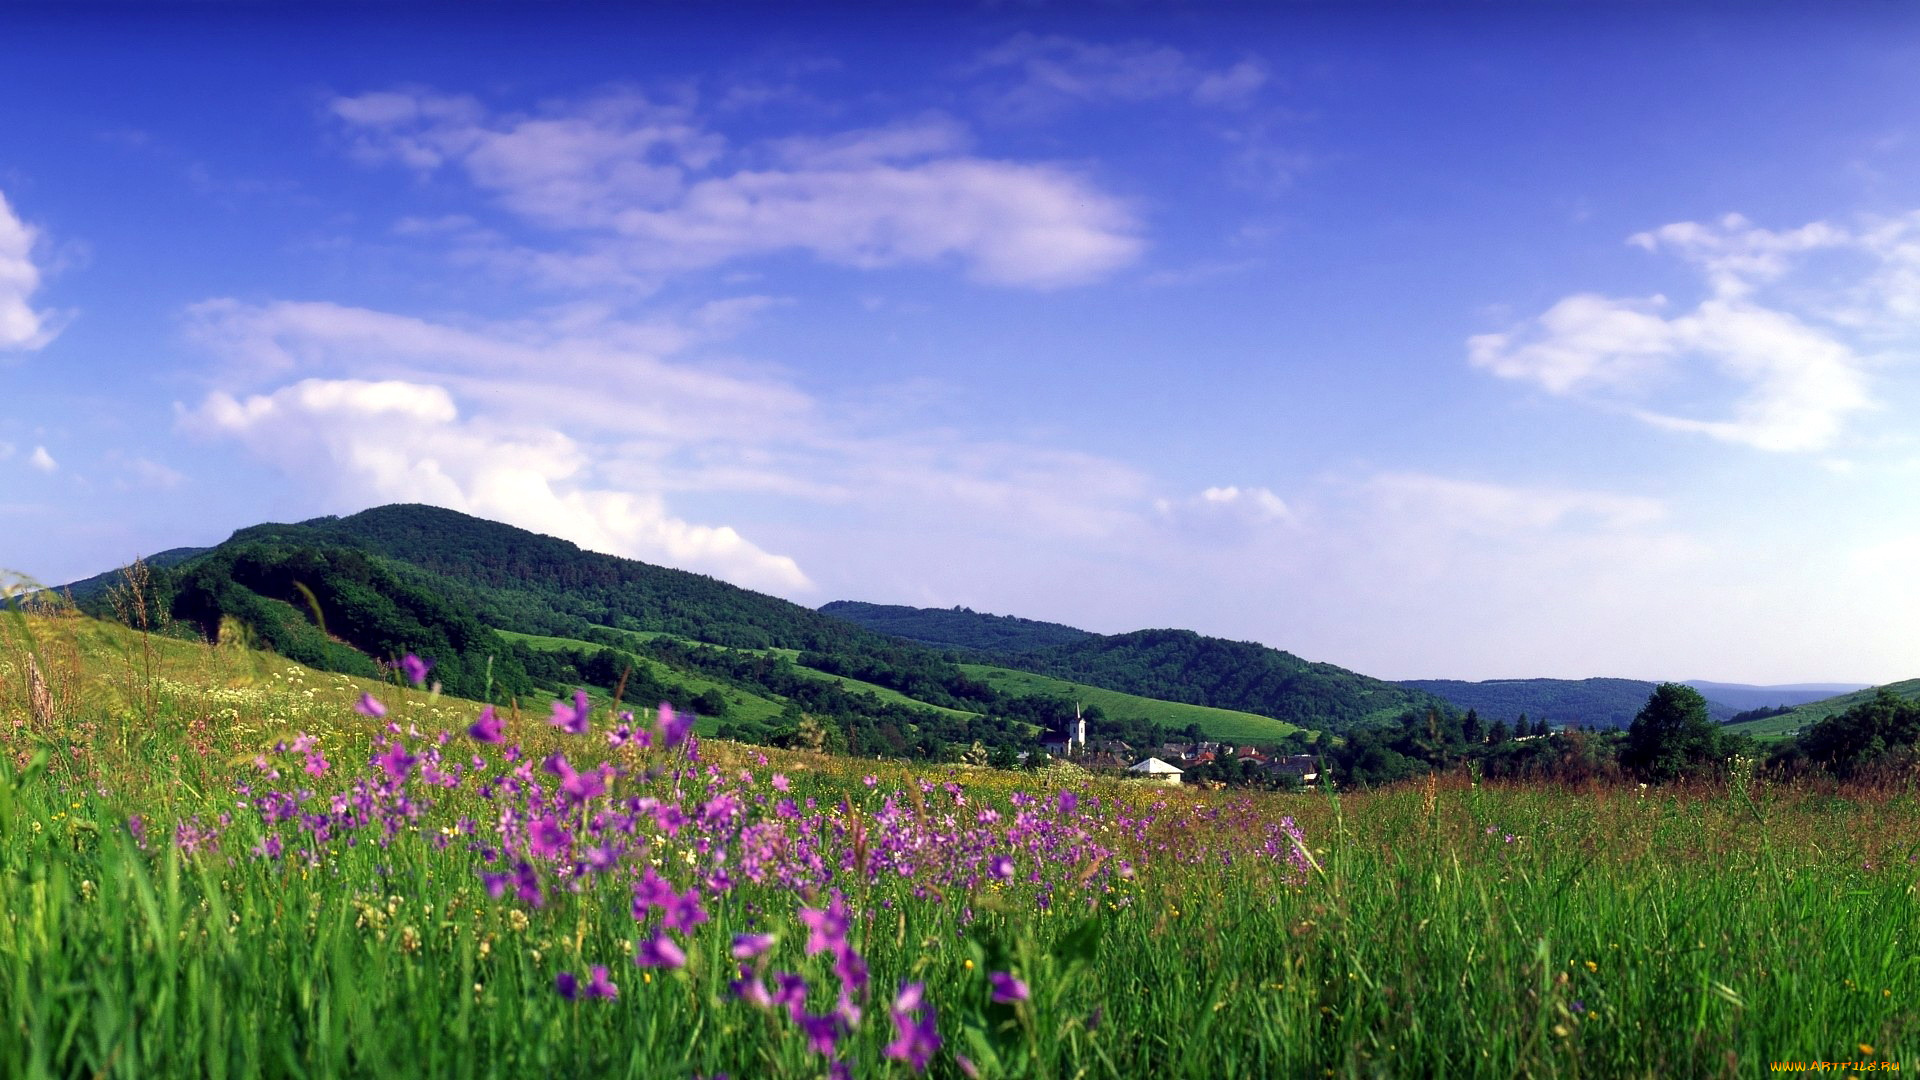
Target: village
1201	761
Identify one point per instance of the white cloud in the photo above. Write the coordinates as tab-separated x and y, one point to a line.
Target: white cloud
1445	504
575	410
21	327
1052	73
1582	342
42	460
1788	358
152	474
1226	511
646	191
404	441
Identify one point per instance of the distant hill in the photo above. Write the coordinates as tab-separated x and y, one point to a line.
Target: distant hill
1168	665
541	584
1181	665
1743	696
1810	713
508	613
96	586
1226	724
1589	703
959	627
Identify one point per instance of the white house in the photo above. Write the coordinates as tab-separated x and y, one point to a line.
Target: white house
1155	769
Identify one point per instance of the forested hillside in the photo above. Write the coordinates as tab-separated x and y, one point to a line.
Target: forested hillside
1180	665
1801	717
508	614
960	628
1587	703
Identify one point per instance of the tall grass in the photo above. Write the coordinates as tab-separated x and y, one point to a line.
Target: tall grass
1446	928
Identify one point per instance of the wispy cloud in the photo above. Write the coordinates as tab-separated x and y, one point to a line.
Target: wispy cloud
642	190
42	460
590	429
1034	76
21	327
1441	504
1789	350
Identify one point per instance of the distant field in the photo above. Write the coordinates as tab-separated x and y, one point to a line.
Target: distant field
1775	728
751	707
741	704
1218	723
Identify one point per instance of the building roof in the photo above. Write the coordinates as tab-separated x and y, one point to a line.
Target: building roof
1156	767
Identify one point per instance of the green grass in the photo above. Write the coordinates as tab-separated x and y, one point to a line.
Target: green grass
1788	724
1225	724
1472	930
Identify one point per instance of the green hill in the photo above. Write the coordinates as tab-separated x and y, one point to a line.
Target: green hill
1225	724
1172	666
1587	703
95	587
509	614
1798	719
1245	676
960	628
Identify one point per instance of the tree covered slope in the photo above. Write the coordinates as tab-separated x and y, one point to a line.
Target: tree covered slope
347	593
1181	665
1586	703
960	628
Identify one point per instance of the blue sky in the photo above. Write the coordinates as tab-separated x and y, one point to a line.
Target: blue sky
1476	343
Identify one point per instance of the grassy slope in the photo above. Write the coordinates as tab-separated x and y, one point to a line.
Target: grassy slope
1774	728
1617	934
751	706
1218	723
741	704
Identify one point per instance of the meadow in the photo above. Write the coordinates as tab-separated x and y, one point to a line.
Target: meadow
217	863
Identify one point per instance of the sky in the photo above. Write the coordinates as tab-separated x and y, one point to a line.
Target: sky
1438	342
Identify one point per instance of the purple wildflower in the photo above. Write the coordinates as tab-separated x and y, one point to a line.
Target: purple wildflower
823	1032
489	728
674	726
600	986
914	1036
572	719
567	985
790	990
660	951
577	786
546	839
752	991
826	927
368	705
650	892
1006	988
682	912
396	761
415	669
1001	867
748	946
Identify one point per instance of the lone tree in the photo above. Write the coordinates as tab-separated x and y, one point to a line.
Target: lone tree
1672	736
